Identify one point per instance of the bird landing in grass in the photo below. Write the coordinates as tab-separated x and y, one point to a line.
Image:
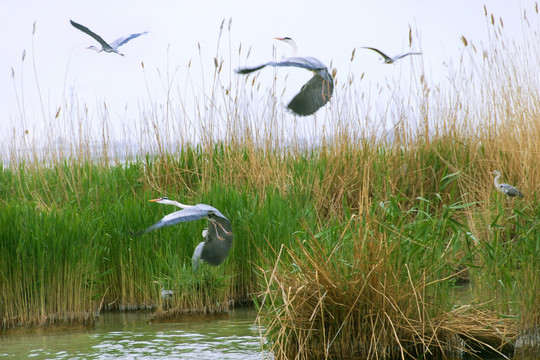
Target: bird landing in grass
506	189
218	236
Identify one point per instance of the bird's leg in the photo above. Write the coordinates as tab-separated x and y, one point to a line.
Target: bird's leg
325	90
217	233
225	231
222	228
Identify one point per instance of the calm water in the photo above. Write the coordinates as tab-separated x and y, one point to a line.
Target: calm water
131	336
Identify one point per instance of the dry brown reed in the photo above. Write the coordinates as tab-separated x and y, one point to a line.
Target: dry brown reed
337	303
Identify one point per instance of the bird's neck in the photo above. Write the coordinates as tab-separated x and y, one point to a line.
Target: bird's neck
175	203
180	205
294	47
496	181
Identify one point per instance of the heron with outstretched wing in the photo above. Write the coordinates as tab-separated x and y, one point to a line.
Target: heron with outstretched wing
388	59
218	236
107	47
315	93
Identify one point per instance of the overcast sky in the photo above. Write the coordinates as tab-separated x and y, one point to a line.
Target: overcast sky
328	30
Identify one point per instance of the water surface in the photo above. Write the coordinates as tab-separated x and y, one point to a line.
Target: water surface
130	335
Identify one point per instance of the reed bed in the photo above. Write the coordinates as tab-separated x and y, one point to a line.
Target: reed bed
361	291
348	239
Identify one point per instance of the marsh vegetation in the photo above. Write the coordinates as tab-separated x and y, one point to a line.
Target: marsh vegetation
350	240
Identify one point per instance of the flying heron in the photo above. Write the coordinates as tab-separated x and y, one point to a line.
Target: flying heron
388	59
506	189
110	48
218	236
315	93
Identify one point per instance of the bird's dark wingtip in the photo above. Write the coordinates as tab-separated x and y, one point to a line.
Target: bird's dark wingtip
138	233
298	111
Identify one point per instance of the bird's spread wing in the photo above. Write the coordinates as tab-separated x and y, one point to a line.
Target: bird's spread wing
386	57
313	95
309	63
184	215
407	54
121	41
250	69
86	30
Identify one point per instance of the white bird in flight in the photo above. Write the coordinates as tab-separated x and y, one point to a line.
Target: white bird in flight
315	93
110	48
388	59
218	236
506	189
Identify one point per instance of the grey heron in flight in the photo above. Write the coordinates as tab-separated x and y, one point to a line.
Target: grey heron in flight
315	93
218	236
506	189
107	47
388	59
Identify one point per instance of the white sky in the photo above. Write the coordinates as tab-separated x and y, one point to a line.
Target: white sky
328	30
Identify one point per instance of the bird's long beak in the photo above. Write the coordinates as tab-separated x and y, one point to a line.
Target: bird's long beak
154	200
279	38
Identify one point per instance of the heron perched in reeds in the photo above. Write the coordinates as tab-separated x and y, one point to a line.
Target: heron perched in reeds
390	60
165	293
107	47
218	236
506	189
315	93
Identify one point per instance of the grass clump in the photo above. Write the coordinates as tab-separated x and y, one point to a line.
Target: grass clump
368	289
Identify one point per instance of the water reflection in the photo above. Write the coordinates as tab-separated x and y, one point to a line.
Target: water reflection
132	336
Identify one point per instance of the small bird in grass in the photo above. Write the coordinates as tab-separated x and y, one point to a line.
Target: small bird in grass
165	293
506	189
315	93
388	59
110	48
218	236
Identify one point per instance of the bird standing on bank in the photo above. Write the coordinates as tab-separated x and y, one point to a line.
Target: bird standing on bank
218	236
388	59
110	48
315	93
506	189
